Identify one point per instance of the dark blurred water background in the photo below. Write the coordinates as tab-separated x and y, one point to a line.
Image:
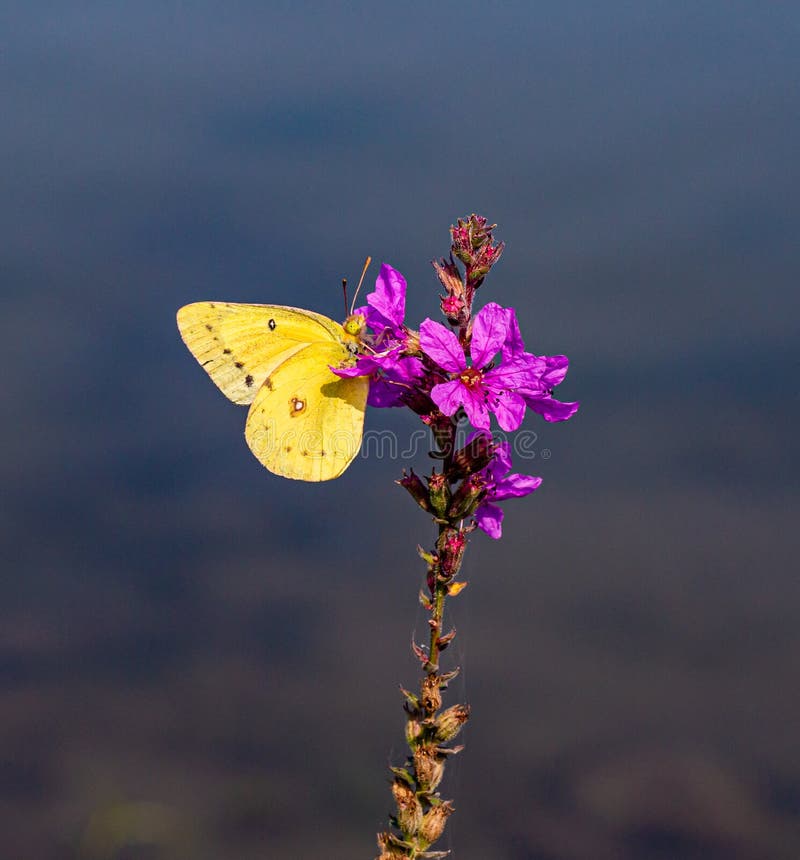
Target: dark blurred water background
198	659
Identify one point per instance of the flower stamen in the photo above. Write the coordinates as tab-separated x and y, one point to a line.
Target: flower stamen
470	377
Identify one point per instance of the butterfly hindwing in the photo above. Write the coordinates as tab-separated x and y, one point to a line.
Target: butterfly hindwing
305	422
239	345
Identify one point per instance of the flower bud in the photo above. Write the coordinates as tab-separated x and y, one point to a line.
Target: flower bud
409	809
489	255
442	428
434	821
474	456
469	236
428	766
454	308
413	731
438	493
461	235
466	498
413	483
448	723
473	244
451	552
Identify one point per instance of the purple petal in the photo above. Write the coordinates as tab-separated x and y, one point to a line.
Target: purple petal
556	369
501	464
549	408
489	518
509	407
515	486
408	369
350	372
489	331
365	365
448	396
383	394
513	344
476	433
396	379
388	301
475	407
523	372
442	346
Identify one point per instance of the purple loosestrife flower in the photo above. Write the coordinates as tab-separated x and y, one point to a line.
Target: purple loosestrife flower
480	389
392	375
500	485
553	369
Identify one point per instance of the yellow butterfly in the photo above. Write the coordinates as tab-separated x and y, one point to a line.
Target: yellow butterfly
305	422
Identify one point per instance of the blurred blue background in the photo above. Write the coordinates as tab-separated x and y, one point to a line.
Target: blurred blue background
199	659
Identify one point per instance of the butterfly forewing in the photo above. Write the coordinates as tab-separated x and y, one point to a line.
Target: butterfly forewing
239	345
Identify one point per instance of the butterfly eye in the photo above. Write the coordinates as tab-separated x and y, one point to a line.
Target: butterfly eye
272	325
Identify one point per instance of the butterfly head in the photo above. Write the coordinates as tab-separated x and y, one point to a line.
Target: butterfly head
354	327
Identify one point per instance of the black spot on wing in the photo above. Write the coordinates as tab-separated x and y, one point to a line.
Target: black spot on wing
248	380
209	327
272	325
239	364
226	351
268	383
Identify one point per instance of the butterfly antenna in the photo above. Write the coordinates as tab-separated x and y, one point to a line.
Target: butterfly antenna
344	290
360	282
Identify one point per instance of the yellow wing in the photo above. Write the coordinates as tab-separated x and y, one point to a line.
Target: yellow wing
306	423
240	345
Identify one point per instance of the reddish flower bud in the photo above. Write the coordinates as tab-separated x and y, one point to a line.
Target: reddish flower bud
474	456
454	308
462	241
451	551
473	245
413	483
469	237
467	497
442	429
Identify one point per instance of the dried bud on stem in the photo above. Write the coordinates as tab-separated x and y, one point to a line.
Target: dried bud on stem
448	723
434	821
428	766
409	809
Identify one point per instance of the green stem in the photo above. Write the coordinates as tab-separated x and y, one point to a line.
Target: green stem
438	595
